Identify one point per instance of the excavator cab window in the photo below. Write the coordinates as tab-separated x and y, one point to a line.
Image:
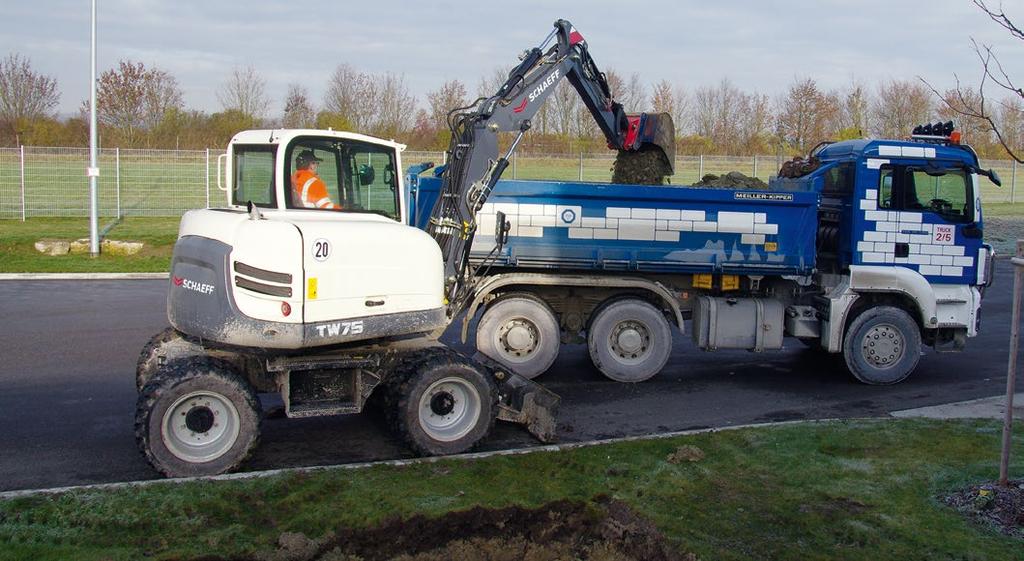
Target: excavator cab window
253	177
359	176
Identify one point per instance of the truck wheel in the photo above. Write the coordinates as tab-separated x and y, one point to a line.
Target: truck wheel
882	346
519	331
161	349
197	416
629	340
443	404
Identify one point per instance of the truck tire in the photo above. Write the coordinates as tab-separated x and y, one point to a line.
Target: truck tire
519	331
441	403
195	417
161	349
882	346
629	340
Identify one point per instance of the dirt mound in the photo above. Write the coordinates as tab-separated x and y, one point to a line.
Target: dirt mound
992	505
605	530
647	166
731	180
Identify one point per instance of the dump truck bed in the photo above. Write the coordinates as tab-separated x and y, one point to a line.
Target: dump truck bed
667	229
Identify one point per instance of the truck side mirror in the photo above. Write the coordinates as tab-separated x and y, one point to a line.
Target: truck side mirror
994	177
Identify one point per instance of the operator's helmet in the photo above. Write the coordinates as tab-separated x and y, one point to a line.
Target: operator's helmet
305	158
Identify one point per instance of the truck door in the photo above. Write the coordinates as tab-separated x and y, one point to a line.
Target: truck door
937	222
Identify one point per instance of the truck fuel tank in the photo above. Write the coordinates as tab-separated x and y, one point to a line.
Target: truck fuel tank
755	324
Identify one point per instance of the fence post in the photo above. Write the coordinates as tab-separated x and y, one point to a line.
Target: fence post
1013	182
22	182
581	166
207	178
515	158
700	168
444	158
117	180
1011	367
755	165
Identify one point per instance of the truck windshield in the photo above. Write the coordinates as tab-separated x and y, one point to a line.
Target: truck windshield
253	175
340	174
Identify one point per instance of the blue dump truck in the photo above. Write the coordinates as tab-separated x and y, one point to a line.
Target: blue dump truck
874	250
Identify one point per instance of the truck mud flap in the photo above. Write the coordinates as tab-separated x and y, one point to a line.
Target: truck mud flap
525	402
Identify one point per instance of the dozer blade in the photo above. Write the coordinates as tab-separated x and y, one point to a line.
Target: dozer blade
525	402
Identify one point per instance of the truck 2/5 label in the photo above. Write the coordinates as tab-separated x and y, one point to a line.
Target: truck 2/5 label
943	234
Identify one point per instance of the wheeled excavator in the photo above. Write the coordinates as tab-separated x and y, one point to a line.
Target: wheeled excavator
342	309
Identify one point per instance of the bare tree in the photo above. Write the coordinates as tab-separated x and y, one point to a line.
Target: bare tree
298	111
132	99
245	92
854	117
1011	123
956	104
395	106
978	105
807	115
451	95
352	96
899	107
24	94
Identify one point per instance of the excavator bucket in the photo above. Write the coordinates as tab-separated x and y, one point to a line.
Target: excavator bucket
648	156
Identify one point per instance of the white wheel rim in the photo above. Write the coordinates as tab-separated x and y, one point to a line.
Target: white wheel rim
200	426
630	342
449	409
883	346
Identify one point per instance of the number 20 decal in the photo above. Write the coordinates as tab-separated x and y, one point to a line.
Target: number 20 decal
321	249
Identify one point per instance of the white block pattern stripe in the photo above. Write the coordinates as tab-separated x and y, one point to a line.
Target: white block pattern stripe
625	223
929	253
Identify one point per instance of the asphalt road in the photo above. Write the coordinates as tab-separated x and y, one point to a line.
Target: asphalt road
67	395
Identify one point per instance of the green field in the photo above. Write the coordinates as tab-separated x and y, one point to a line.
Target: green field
846	490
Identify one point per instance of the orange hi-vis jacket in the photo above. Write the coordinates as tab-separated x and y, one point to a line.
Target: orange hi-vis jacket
309	191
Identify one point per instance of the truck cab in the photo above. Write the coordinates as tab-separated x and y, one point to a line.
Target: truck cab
904	219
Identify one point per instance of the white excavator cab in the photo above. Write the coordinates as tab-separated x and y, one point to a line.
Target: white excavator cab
312	249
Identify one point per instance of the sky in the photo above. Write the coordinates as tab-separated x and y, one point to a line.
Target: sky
758	45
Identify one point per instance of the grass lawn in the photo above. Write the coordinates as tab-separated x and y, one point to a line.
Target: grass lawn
840	490
17	238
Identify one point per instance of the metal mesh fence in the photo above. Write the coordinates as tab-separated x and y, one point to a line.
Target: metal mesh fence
10	183
136	182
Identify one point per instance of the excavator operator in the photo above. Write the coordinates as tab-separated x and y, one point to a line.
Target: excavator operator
308	190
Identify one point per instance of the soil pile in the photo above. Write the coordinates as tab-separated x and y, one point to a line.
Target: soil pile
603	530
647	166
731	180
992	505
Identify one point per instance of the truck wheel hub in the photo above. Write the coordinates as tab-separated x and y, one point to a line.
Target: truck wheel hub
630	339
519	337
882	346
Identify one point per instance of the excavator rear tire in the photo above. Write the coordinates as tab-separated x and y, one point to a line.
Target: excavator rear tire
197	416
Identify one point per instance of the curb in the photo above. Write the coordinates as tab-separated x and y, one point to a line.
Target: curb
6	495
83	276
